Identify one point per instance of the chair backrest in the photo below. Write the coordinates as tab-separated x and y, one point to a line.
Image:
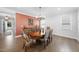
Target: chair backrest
47	32
51	32
26	37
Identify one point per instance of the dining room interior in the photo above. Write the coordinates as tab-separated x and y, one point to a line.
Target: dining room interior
39	29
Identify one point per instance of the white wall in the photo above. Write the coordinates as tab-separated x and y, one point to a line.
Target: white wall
78	23
55	23
1	25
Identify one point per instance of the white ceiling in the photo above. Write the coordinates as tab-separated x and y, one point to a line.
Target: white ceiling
45	11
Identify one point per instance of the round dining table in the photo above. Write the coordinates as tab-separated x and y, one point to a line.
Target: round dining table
36	36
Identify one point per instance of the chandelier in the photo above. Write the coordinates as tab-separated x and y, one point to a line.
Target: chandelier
40	17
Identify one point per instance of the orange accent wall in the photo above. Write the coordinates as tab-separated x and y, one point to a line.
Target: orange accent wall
22	20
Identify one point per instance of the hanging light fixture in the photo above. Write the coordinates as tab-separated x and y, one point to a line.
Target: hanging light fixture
40	11
40	17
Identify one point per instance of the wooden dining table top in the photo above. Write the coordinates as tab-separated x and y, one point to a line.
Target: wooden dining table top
35	33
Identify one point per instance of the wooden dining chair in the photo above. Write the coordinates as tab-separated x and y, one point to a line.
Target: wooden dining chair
45	39
50	36
27	42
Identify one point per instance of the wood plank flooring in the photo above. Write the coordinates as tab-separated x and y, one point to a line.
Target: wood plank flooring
58	44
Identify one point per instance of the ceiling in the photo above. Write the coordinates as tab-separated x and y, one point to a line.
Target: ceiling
44	11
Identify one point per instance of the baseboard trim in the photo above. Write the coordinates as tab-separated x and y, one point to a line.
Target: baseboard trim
17	36
66	36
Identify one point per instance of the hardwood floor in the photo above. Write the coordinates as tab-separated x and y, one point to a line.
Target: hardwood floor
58	44
61	44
